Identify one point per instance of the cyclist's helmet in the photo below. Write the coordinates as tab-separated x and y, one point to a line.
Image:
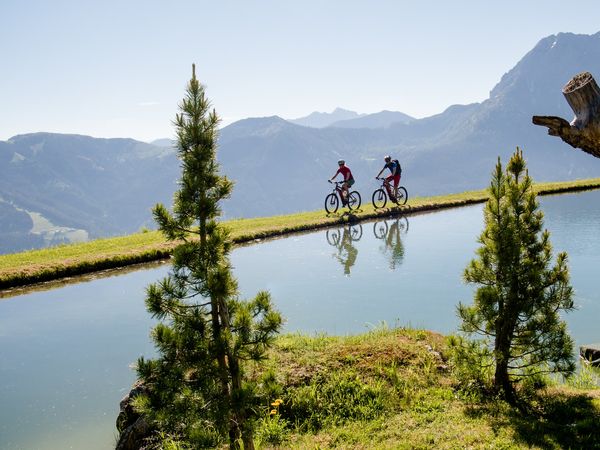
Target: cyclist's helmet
387	158
341	162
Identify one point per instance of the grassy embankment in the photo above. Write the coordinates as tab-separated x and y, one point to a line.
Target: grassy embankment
34	266
395	388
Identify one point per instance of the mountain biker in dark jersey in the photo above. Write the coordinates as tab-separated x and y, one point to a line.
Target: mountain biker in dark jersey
348	178
395	171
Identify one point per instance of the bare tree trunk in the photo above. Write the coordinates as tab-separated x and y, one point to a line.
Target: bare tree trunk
583	95
239	425
502	355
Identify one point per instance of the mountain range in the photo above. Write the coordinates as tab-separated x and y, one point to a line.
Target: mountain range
323	119
108	186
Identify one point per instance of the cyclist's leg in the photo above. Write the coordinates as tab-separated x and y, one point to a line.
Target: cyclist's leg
348	185
387	186
345	192
396	184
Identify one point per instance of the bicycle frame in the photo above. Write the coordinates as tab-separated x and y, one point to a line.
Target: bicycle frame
338	189
398	195
351	199
388	188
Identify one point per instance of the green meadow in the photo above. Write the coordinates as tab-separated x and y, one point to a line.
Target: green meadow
398	389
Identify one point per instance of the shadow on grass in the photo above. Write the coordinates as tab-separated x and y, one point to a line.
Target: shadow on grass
551	420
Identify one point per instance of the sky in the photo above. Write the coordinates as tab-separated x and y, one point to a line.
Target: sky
119	68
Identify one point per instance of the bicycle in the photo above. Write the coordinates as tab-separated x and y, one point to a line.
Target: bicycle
380	196
332	201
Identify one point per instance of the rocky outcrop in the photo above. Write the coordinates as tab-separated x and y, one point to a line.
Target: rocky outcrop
133	427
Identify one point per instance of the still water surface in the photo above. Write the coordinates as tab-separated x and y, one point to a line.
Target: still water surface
65	353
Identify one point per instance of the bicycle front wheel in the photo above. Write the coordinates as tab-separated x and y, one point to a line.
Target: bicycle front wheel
402	197
331	203
379	198
354	200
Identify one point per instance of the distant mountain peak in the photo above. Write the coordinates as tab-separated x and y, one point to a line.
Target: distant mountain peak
382	119
256	126
163	142
339	110
323	119
561	52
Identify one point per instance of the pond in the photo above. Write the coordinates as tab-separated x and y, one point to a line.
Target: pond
65	353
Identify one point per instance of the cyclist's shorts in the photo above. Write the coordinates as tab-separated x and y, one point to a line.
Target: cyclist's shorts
396	179
350	182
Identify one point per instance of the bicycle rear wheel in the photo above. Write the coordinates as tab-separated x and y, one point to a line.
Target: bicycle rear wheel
331	203
402	197
354	200
379	198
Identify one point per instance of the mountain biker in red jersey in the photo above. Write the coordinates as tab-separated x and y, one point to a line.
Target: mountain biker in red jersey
395	172
348	179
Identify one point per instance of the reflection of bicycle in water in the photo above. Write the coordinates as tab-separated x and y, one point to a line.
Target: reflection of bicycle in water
333	235
391	233
342	239
381	227
381	195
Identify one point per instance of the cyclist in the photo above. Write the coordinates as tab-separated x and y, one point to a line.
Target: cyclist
348	179
395	172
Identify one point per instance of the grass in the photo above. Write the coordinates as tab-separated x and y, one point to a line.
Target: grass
35	266
395	388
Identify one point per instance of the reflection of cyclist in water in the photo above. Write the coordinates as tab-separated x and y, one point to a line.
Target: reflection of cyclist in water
347	252
390	234
393	242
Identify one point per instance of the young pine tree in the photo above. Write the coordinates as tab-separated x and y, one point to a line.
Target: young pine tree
198	390
520	293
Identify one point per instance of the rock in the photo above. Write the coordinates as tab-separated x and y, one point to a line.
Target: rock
133	427
134	436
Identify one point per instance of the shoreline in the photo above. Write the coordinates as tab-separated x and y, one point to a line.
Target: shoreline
36	267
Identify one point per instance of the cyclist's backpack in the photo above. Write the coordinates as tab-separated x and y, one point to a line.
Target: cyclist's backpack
399	167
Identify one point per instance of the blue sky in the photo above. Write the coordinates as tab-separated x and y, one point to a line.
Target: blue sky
119	68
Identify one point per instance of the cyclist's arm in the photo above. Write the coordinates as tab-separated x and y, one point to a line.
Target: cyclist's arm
377	176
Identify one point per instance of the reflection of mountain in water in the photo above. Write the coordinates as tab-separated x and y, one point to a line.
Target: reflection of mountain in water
342	239
390	231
